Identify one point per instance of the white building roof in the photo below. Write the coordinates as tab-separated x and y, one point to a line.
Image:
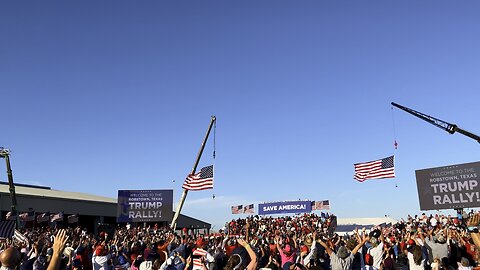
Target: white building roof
51	193
348	225
365	221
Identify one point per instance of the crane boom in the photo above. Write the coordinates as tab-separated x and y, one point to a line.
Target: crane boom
450	128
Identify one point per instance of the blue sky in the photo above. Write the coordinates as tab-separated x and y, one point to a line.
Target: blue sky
99	96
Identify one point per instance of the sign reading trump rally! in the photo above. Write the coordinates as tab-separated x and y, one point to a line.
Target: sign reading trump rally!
284	207
454	186
144	205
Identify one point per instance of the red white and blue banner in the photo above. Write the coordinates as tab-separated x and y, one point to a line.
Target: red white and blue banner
145	205
284	207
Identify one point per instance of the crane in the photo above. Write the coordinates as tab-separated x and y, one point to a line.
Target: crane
5	153
450	128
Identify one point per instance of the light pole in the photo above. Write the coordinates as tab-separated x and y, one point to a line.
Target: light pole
5	153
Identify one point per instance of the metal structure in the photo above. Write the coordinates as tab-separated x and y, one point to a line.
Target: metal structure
185	191
5	153
450	128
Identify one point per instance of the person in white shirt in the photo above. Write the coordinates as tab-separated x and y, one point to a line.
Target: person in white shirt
415	258
100	258
464	264
377	251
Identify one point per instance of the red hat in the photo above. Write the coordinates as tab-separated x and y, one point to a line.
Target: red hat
100	251
200	242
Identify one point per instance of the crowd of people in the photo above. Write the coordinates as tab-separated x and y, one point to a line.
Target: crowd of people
299	242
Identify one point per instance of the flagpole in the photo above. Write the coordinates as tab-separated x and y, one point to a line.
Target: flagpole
185	191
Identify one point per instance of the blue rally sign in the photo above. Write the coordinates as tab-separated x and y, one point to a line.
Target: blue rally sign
284	207
144	205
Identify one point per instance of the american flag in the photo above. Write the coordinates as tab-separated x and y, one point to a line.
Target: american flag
43	217
28	216
9	216
56	217
7	228
322	205
19	237
377	169
200	181
238	209
249	209
72	219
197	262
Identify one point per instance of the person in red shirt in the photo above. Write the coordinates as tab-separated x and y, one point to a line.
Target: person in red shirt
272	246
230	245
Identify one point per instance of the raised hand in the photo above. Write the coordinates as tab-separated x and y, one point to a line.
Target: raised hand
59	242
242	242
474	221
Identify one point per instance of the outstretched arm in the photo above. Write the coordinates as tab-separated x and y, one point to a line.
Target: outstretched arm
360	244
327	248
59	243
277	242
253	257
474	222
306	260
382	236
295	240
420	234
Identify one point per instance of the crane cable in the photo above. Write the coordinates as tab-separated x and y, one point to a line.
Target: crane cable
214	150
395	144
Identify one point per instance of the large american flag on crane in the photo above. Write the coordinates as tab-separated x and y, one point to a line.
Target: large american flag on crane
377	169
201	180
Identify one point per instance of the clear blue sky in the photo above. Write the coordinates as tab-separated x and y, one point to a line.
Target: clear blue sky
98	96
